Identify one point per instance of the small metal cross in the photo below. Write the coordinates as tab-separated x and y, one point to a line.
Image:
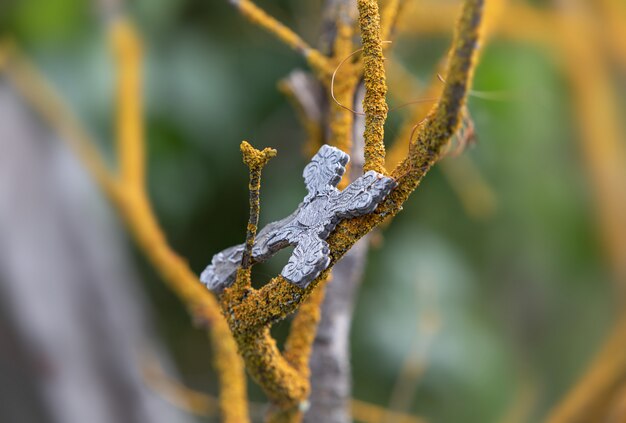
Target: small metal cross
309	225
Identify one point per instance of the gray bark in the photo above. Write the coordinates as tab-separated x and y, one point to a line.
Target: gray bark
75	320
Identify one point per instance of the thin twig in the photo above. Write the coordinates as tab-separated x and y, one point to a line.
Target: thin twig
256	161
374	104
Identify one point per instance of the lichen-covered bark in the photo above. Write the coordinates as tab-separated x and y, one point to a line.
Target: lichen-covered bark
256	161
374	103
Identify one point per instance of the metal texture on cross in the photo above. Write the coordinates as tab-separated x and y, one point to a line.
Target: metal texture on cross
309	225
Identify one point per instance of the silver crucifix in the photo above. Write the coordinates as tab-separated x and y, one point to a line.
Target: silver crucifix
309	225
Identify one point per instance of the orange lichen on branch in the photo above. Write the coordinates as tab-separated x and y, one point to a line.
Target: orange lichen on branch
259	17
133	207
127	51
284	385
374	103
476	196
279	298
256	160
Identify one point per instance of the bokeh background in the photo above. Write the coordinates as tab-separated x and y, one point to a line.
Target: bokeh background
496	284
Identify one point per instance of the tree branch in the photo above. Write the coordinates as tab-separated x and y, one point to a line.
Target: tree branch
374	104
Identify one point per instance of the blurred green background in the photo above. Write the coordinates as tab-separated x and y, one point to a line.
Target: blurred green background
522	296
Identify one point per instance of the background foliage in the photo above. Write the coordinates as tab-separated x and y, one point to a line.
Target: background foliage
517	297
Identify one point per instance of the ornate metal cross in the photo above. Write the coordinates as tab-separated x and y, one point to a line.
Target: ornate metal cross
309	225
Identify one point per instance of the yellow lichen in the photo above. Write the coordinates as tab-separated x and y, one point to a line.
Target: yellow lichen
256	161
374	103
282	384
